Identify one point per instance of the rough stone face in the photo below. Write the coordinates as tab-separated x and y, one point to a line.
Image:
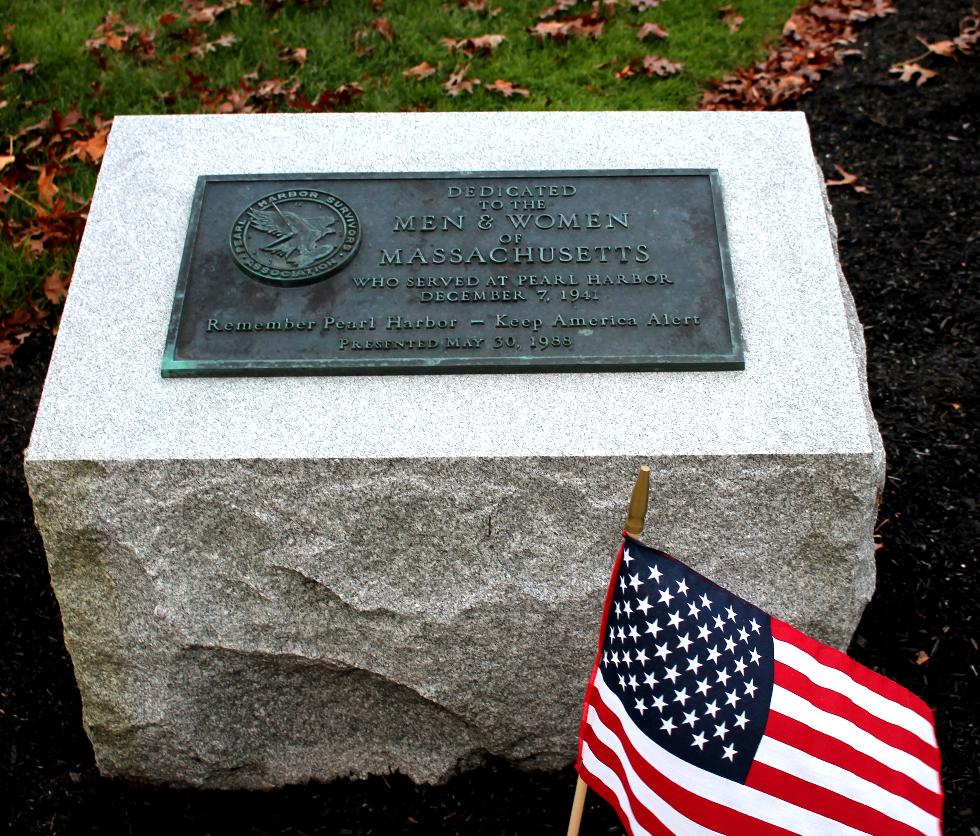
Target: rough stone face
268	580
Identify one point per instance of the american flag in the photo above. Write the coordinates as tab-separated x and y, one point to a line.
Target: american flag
705	715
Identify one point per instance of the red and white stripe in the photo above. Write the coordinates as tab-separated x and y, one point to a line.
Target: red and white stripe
845	751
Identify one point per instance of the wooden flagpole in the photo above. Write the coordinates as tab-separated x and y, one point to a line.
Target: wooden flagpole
635	518
637	514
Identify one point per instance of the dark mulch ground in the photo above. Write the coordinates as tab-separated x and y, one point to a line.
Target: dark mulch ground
910	252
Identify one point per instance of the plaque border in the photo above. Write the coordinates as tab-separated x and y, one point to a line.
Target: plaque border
733	360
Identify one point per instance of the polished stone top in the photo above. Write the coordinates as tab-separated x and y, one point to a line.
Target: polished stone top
802	390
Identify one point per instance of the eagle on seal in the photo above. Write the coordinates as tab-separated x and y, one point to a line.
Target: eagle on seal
298	238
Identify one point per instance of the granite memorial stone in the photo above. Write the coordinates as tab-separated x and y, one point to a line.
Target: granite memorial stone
267	579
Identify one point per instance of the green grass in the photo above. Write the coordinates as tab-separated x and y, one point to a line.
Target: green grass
579	74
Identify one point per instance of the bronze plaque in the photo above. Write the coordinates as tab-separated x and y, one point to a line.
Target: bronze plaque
454	272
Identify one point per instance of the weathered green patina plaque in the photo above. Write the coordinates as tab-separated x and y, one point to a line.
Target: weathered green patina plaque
454	272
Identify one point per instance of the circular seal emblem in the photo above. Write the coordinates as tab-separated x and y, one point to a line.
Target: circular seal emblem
295	237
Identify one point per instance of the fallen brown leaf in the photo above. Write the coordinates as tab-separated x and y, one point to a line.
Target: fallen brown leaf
60	124
91	149
663	67
207	15
114	41
650	65
908	70
5	160
969	32
7	349
21	320
17	327
480	45
202	49
294	56
731	17
145	47
384	28
921	657
507	89
46	188
848	179
628	71
26	68
459	83
557	8
583	26
56	287
329	100
648	29
830	12
419	71
874	8
947	49
236	101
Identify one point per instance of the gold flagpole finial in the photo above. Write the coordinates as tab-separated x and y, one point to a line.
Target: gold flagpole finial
637	513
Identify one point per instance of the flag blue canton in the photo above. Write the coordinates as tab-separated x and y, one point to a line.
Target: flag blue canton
691	663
